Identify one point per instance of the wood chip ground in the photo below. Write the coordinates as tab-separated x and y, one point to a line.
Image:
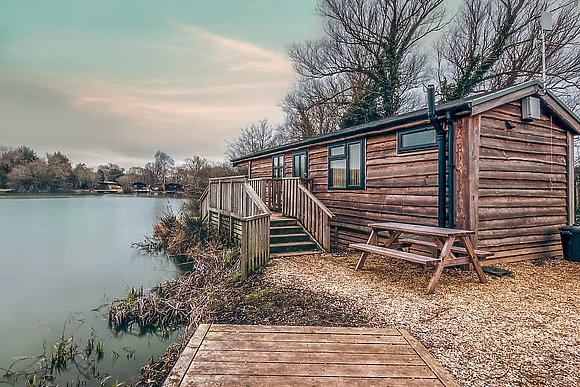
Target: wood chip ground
522	330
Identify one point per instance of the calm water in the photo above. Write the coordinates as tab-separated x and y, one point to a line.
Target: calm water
62	258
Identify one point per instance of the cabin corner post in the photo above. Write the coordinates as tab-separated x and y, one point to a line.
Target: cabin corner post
474	130
467	174
571	180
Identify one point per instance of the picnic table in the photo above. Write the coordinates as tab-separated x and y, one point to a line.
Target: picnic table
441	238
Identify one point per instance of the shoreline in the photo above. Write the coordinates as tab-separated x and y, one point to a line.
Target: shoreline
10	192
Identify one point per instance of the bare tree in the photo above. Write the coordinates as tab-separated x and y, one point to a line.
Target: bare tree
314	107
493	44
252	139
163	166
374	43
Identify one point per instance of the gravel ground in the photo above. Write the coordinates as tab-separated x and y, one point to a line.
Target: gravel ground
522	330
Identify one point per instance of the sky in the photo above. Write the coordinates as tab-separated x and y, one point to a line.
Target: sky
115	81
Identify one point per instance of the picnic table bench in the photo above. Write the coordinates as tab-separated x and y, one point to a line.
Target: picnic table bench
441	238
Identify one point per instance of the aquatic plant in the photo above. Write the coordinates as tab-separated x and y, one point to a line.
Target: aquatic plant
90	346
182	235
170	305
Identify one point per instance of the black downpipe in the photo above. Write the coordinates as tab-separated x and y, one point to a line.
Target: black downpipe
432	115
450	171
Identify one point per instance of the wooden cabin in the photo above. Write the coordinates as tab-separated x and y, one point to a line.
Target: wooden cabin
502	165
108	187
157	187
173	188
140	187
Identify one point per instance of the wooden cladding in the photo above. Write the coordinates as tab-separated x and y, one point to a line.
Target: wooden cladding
523	184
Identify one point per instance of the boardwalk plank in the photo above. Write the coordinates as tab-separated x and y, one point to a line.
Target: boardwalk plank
309	357
305	337
303	329
291	369
305	347
296	381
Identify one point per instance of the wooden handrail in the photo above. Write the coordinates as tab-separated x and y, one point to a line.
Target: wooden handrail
316	201
226	178
204	194
256	199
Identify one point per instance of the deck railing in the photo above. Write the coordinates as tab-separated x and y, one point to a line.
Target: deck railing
293	199
231	203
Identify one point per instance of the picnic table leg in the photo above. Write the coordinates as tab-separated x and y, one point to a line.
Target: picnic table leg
363	257
473	258
445	252
392	238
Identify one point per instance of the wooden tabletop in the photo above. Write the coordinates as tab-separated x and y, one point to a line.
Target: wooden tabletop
290	356
418	229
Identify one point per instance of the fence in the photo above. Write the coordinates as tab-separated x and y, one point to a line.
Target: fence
231	204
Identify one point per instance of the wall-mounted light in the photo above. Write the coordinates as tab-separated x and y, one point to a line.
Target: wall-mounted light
530	108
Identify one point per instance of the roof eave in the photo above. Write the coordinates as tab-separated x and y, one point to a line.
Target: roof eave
362	129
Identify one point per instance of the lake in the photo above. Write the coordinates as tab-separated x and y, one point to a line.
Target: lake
61	259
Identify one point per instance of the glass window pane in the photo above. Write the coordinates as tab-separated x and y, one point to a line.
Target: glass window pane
303	166
338	173
337	150
354	163
275	161
418	139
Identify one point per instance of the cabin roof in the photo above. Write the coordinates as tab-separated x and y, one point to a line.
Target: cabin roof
472	105
107	182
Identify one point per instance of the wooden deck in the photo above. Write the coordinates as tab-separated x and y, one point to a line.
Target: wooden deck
246	355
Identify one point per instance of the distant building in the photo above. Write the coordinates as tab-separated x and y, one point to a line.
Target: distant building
108	187
173	188
157	188
139	187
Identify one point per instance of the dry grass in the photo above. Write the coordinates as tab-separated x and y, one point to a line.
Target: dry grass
522	330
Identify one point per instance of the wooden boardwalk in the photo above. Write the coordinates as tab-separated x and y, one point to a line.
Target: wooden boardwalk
247	355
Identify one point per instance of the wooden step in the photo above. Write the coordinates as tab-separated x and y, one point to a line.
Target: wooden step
285	238
292	247
283	222
394	253
285	230
295	253
454	249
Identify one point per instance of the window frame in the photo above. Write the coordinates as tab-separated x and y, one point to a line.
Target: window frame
415	148
280	167
346	156
300	153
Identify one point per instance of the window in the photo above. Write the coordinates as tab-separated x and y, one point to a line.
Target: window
300	164
416	139
346	165
278	167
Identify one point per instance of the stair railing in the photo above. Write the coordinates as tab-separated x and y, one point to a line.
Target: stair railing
298	202
231	204
289	196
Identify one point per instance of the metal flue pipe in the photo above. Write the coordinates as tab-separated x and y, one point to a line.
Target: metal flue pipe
432	116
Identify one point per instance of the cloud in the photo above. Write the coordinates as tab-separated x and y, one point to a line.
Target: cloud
239	55
208	88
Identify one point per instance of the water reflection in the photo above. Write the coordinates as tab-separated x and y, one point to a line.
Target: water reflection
62	258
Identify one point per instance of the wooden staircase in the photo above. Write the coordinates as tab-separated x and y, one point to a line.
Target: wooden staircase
287	237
